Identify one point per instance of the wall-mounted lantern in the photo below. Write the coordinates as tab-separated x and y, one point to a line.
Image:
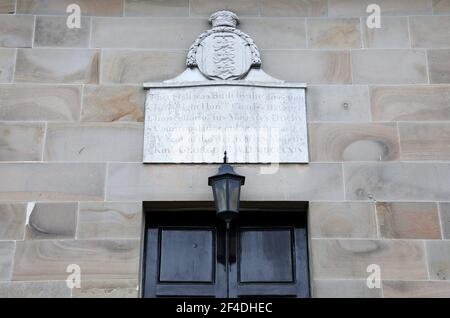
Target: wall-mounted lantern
226	186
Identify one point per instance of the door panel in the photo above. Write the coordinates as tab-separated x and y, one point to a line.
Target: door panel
265	255
269	255
188	254
184	255
195	246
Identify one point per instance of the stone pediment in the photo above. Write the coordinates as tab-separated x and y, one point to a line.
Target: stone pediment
223	53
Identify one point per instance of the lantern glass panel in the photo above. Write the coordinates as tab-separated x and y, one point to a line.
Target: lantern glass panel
234	190
220	188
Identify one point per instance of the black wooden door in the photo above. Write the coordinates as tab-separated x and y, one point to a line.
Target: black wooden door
193	254
185	255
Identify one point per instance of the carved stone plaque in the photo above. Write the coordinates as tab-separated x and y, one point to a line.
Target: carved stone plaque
254	123
224	101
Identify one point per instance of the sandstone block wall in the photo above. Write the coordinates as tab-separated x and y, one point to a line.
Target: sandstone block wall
71	125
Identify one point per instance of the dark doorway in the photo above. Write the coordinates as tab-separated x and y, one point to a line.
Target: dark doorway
189	252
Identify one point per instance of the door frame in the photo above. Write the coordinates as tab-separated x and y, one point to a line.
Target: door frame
245	206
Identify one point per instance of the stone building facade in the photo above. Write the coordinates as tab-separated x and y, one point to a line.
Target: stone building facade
72	182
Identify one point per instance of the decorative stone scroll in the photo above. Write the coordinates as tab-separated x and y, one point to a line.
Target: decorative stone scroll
225	101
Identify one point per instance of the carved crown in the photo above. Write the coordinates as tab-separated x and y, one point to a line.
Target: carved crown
224	18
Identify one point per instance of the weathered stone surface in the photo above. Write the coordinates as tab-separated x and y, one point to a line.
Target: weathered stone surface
439	66
6	259
349	103
342	220
113	103
12	221
57	66
134	182
241	8
445	219
52	221
410	103
129	181
16	30
156	8
99	259
95	142
53	31
344	289
136	67
115	288
376	66
58	7
388	7
430	32
53	289
404	220
417	289
23	102
392	34
289	8
334	33
441	6
52	181
425	141
109	220
21	141
134	32
438	259
276	33
397	181
399	259
7	62
8	6
312	67
353	142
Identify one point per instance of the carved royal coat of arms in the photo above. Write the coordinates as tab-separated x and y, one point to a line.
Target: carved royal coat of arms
223	52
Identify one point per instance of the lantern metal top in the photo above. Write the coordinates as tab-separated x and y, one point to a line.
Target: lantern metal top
226	170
